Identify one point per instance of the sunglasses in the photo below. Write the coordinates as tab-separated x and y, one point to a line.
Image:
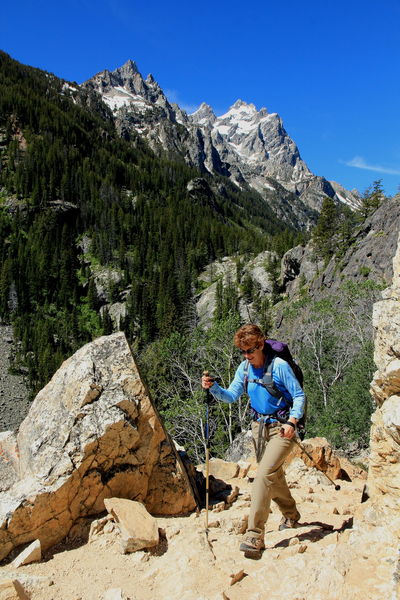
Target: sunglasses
249	350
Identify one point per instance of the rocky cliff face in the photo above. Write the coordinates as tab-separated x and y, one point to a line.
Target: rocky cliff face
384	472
368	258
249	146
92	433
226	271
377	526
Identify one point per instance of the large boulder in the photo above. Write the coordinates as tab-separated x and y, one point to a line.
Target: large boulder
92	433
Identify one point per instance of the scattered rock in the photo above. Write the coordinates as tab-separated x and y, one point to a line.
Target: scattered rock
244	468
138	528
218	507
97	527
322	454
33	553
232	496
236	577
222	469
239	526
294	541
12	589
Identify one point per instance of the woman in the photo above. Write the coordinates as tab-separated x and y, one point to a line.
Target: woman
274	438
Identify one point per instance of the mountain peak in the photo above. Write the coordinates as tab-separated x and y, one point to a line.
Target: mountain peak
242	104
129	68
204	115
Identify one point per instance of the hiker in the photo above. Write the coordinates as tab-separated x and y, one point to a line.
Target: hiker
273	440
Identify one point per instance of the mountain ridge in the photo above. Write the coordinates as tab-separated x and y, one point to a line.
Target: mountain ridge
244	144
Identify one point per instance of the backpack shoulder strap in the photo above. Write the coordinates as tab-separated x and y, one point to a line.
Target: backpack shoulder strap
268	381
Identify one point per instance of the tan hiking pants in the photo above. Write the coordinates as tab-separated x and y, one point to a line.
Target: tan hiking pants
270	483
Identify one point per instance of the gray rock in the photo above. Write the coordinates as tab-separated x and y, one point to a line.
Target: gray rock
299	267
370	252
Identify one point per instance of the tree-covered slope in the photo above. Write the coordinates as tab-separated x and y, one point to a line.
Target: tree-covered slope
67	176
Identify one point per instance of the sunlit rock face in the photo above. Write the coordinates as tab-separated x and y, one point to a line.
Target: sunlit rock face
92	433
384	472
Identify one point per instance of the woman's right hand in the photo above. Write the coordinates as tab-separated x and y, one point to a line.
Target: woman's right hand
206	381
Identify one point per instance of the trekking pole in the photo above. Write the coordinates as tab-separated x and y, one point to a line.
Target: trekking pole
207	438
300	445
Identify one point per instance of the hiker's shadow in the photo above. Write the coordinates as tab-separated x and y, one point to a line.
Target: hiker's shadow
319	531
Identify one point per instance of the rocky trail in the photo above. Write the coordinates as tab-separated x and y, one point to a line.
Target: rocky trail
189	564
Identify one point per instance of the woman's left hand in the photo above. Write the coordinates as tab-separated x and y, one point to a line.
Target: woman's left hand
287	431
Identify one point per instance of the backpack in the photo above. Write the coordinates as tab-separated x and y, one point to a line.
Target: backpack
274	348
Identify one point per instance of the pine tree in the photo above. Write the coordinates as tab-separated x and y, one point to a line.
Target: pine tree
324	236
371	199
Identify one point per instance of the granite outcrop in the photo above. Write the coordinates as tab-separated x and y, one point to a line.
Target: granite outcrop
92	433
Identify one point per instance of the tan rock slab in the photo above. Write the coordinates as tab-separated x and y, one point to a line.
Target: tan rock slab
222	469
139	529
11	589
31	554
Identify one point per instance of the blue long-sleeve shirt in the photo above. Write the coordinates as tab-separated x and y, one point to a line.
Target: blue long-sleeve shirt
260	399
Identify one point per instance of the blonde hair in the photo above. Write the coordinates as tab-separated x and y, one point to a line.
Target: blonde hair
247	335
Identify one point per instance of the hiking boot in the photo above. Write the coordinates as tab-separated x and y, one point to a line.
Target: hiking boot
253	542
287	523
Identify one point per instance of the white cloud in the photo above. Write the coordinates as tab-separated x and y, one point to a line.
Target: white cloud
360	163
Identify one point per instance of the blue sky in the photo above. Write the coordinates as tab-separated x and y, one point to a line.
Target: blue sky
330	69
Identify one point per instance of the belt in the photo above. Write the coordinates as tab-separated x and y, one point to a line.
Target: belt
270	425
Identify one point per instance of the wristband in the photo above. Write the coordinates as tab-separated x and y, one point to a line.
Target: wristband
291	424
